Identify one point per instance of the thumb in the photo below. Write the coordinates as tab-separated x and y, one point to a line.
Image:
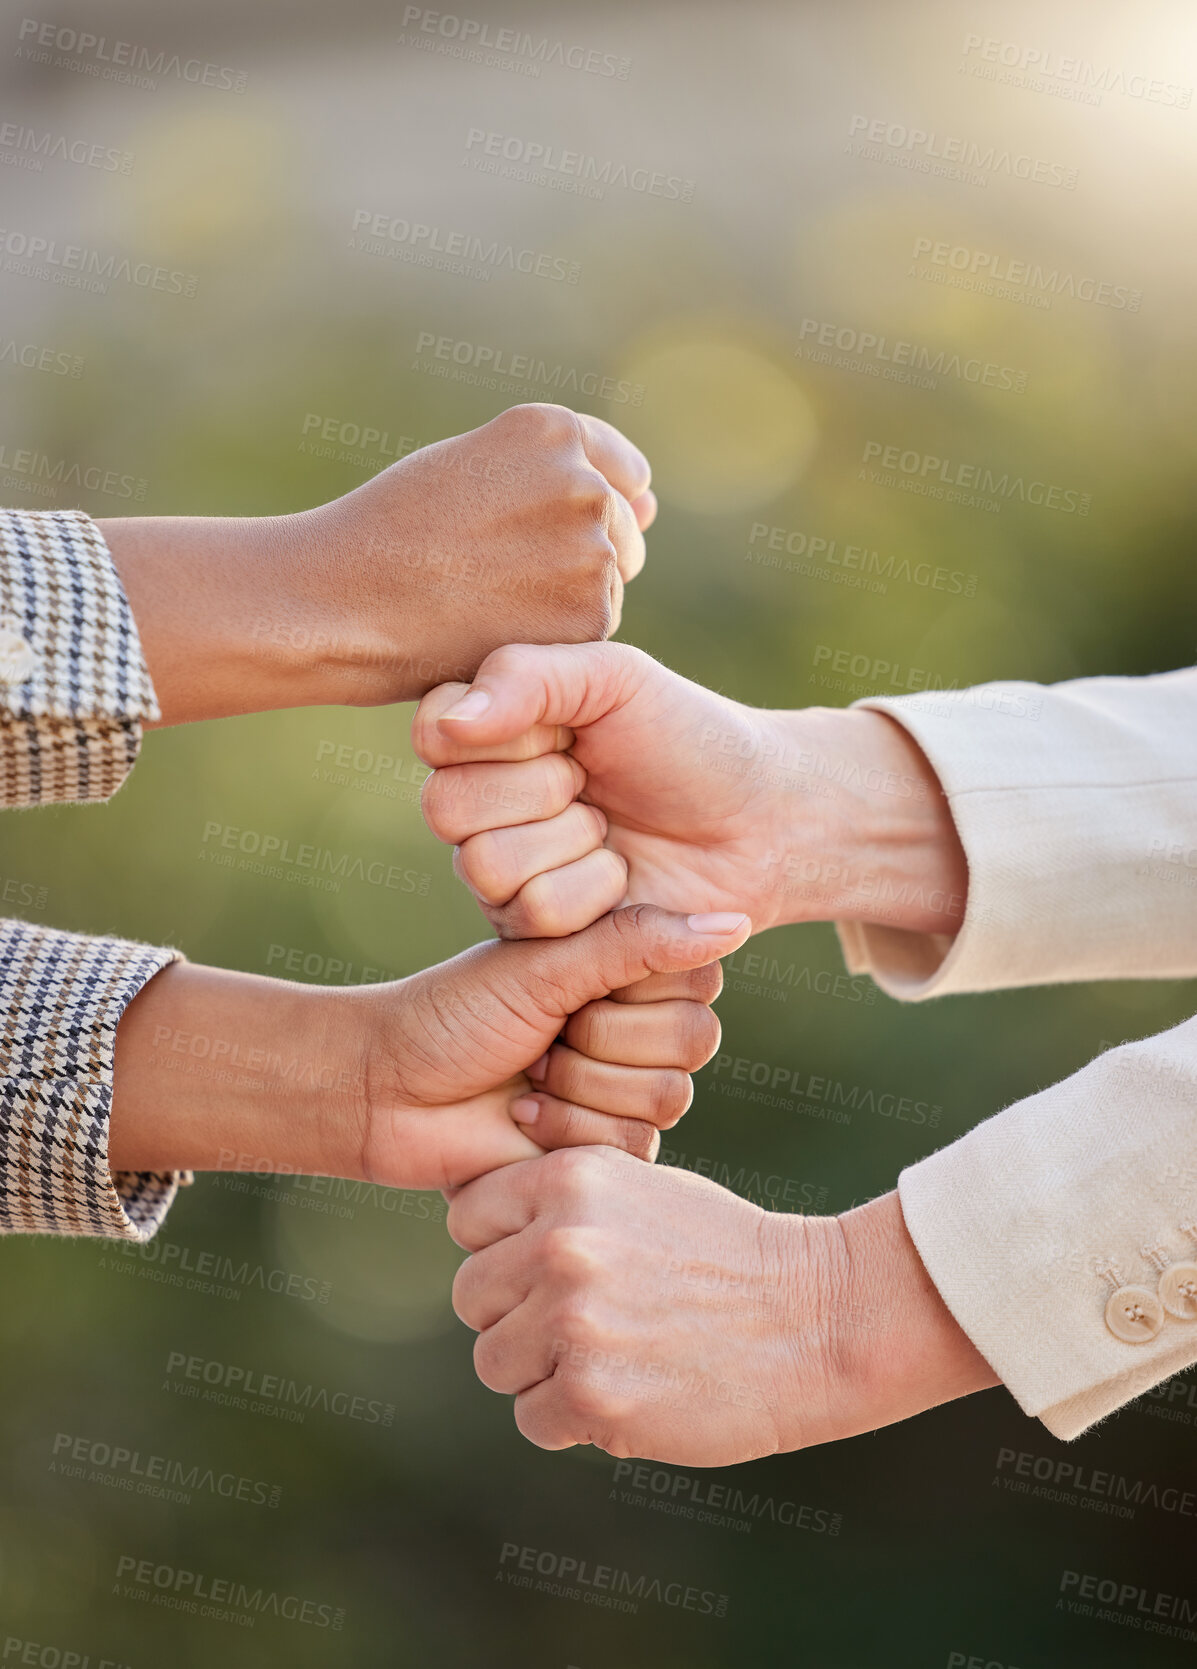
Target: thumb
525	687
628	945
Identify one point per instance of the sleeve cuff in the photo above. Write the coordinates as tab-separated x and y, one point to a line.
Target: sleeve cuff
61	999
1076	806
74	686
1030	1223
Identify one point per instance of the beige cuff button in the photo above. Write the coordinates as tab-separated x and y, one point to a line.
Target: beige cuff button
1178	1291
1134	1315
16	657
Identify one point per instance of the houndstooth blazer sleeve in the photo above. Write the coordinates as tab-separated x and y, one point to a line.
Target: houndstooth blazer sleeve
74	691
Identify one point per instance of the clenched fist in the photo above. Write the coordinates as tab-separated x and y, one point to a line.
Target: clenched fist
651	1313
526	530
573	778
495	1056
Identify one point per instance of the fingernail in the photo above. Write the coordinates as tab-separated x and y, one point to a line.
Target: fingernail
537	1069
525	1109
719	921
471	706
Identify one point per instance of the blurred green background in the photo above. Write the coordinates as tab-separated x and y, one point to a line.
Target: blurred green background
704	300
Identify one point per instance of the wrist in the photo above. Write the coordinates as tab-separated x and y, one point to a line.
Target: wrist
860	828
898	1348
250	614
216	1070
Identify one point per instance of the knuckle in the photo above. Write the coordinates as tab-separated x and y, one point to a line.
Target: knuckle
568	1253
572	1318
479	865
593	821
575	1173
589	1030
702	1037
490	1361
512	660
584	1399
537	1427
535	419
443	804
634	924
428	741
463	1292
588	492
433	803
593	622
552	789
669	1095
641	1140
704	984
542	907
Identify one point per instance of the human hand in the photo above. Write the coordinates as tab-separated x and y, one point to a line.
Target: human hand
429	1081
571	779
524	529
468	1073
653	1314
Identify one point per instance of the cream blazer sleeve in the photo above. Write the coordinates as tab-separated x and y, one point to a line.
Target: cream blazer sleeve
1062	1233
74	691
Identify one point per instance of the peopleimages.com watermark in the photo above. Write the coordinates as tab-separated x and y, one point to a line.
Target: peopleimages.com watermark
566	1576
820	556
499	46
213	1274
1013	278
1039	69
31	148
773	759
416	243
1174	1401
36	1654
524	375
770	1191
894	359
35	357
1127	1604
856	673
219	1598
158	1477
61	46
947	156
700	1500
38	473
975	486
756	974
273	1395
370	771
345	442
278	858
775	1085
538	162
249	1065
76	267
325	969
1092	1488
1174	862
650	1380
29	895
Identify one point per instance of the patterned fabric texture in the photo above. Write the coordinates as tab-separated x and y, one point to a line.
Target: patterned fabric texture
61	998
72	729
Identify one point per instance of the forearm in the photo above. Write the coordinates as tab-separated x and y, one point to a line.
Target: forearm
217	1070
234	615
860	827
